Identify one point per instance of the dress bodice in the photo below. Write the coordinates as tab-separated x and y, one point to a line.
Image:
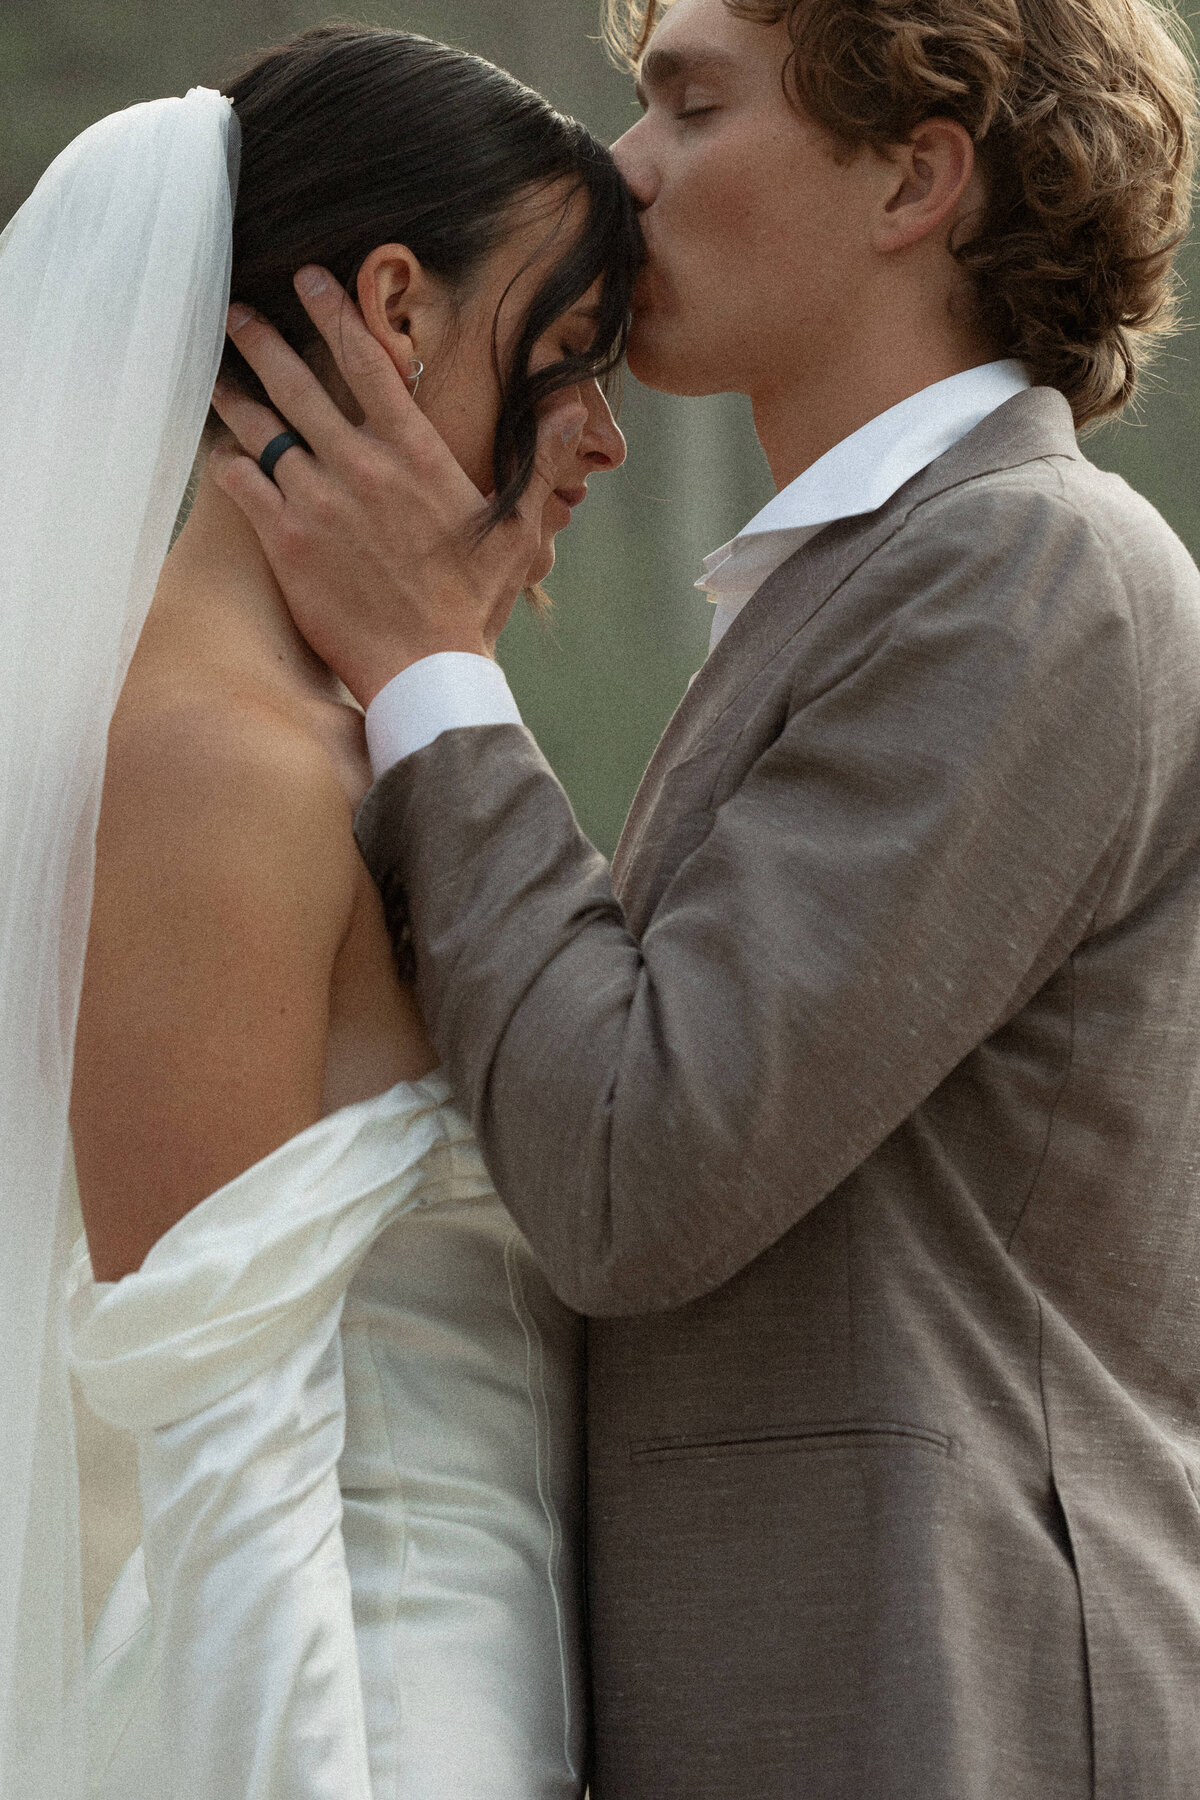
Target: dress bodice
357	1410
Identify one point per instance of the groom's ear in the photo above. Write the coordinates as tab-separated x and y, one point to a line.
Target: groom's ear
928	185
398	301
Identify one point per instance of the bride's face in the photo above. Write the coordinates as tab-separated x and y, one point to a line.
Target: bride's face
458	337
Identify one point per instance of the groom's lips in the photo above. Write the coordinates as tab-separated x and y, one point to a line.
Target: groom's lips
571	496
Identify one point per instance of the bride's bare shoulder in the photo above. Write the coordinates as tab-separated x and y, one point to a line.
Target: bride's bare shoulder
224	893
223	759
223	818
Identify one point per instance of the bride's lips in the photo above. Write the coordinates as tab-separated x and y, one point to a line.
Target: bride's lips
558	515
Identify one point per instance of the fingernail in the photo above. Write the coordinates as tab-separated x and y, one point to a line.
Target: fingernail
239	315
311	281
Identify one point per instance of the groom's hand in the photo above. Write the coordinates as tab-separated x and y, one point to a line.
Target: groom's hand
373	532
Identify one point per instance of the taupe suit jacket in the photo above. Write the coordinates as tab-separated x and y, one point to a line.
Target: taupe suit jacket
860	1110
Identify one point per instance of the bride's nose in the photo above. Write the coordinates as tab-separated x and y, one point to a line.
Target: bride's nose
602	446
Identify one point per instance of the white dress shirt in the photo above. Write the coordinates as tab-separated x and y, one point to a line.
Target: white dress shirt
860	474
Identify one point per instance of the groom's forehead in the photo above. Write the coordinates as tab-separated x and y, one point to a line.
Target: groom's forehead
697	39
663	65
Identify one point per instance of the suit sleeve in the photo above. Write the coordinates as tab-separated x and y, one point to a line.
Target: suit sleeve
924	841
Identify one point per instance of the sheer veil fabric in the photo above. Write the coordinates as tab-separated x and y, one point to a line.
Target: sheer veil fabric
114	281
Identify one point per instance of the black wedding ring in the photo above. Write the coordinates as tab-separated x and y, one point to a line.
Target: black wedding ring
287	440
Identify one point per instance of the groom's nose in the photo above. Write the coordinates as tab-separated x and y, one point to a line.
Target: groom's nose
630	156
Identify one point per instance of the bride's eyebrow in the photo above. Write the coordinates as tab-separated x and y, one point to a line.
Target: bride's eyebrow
662	68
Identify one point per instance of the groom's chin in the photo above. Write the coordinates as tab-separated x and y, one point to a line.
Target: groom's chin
658	358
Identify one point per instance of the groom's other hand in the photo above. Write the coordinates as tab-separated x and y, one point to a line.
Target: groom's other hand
373	531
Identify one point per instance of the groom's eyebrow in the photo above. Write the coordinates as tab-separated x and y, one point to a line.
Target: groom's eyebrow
660	68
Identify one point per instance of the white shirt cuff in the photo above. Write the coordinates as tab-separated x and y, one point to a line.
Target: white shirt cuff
437	694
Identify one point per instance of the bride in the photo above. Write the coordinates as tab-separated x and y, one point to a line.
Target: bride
354	1397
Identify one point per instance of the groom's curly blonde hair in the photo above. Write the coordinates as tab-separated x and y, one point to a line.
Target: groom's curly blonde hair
1084	116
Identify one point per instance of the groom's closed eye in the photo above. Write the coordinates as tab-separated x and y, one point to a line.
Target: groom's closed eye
677	79
696	110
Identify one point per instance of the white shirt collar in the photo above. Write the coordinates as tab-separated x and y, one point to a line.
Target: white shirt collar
857	476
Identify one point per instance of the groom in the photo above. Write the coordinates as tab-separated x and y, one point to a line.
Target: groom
858	1105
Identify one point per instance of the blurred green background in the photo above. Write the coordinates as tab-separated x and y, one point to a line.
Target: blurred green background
599	681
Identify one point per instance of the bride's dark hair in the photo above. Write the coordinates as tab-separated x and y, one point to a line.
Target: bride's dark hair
354	136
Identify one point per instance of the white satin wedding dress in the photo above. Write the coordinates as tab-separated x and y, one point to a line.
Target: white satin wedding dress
357	1412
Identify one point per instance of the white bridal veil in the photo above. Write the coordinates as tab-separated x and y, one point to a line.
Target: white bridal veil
114	280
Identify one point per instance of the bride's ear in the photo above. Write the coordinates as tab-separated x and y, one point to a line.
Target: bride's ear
398	301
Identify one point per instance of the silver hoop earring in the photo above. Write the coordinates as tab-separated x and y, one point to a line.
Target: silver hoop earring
413	379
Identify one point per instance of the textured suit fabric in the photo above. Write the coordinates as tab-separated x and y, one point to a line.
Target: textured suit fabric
860	1110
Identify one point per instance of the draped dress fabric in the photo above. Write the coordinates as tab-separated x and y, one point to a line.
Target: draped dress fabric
357	1411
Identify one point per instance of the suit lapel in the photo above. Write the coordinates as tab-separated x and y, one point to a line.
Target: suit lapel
1032	425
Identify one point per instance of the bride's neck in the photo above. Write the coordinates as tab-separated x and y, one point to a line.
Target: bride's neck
217	595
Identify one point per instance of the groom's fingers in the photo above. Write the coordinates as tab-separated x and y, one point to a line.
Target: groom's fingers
363	363
252	424
241	478
292	387
390	412
260	496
